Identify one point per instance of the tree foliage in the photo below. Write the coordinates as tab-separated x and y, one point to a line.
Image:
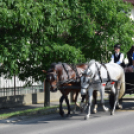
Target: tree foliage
35	33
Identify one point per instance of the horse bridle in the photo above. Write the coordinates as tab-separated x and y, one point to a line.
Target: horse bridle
98	70
54	76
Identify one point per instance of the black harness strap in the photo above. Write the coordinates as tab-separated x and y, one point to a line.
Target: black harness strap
108	75
99	71
76	72
64	66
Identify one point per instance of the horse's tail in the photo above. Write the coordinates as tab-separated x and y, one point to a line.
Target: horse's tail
123	87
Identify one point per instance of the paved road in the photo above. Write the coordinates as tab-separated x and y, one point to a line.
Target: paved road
101	123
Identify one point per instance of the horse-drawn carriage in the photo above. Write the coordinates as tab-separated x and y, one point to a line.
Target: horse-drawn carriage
67	78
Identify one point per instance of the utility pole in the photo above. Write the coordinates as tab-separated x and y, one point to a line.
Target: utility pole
47	93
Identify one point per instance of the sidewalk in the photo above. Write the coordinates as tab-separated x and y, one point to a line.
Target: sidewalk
33	106
41	105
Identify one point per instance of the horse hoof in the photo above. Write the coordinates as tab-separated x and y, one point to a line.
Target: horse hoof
62	113
106	109
74	112
86	117
95	111
112	113
68	115
81	110
119	107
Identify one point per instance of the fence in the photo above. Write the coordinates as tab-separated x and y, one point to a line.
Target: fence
14	86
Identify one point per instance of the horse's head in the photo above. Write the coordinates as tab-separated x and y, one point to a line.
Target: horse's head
52	77
85	81
86	77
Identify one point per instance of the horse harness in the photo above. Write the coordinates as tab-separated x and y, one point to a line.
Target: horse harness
69	79
67	72
108	75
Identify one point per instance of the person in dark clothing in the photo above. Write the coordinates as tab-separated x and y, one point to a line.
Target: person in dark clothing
117	57
130	56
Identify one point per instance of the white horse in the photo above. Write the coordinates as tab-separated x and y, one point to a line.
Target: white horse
99	77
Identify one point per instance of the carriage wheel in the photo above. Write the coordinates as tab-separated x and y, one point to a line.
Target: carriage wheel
112	100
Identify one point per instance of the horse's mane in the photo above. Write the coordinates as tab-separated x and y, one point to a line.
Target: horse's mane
91	62
52	66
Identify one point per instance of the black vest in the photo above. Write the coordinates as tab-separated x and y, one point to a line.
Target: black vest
116	58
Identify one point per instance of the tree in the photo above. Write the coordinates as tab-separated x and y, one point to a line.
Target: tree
110	25
35	33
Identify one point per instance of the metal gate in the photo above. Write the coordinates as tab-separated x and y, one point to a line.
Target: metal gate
14	86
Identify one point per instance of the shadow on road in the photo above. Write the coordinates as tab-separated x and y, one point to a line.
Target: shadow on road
40	119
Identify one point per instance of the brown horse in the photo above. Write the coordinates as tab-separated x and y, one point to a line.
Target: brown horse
66	78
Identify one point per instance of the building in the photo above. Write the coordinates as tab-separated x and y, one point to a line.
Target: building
132	12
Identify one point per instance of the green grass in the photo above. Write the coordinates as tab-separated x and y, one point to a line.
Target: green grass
29	112
128	96
25	112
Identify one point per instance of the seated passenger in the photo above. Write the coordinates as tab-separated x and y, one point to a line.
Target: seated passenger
130	57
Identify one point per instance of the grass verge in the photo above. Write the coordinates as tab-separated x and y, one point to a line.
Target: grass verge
35	111
43	110
129	96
